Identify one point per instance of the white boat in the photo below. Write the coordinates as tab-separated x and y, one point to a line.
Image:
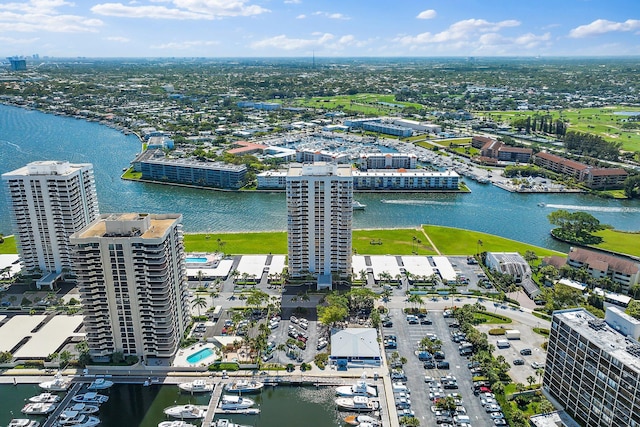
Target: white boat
357	404
38	408
58	383
73	418
190	412
355	420
196	386
23	422
83	408
45	398
100	384
91	398
235	402
223	422
360	388
244	386
357	206
176	423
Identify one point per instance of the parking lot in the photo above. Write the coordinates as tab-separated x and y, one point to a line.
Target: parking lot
408	337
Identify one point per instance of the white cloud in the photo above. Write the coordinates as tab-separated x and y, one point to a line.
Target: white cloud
292	1
469	29
427	14
320	41
118	39
182	9
602	26
303	16
332	15
43	15
11	40
184	45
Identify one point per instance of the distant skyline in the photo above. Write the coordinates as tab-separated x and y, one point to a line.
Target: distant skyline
295	28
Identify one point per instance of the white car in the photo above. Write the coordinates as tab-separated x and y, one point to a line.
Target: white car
493	408
497	415
488	401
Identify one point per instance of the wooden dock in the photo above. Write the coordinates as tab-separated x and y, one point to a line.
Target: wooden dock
213	404
51	419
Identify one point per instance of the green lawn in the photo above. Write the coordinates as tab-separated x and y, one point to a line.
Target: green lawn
457	241
490	318
619	241
9	245
394	241
599	121
130	174
274	242
366	103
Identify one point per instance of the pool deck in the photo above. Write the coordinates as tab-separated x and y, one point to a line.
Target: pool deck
182	355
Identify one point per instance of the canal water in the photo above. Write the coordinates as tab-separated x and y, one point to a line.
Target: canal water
27	135
132	405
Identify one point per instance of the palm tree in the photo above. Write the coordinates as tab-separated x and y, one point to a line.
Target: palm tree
199	302
531	379
415	299
200	277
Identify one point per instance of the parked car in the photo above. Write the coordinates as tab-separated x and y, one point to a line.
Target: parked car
429	364
536	365
518	362
442	365
525	352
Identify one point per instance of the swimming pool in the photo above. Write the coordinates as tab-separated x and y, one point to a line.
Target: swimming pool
200	355
195	260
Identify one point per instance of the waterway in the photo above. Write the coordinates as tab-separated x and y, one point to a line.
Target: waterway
132	405
27	135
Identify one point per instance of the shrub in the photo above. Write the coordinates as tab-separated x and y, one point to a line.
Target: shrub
321	360
497	331
224	366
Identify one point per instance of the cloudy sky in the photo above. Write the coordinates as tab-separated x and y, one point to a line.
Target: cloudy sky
278	28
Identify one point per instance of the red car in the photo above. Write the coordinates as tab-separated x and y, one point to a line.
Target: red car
485	390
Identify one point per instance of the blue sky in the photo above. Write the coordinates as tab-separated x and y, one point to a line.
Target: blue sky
280	28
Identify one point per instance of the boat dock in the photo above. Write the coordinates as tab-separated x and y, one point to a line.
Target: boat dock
51	419
213	403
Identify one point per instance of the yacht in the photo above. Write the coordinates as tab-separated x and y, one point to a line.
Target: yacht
360	388
244	386
58	383
38	408
91	398
357	206
355	420
175	423
83	408
357	404
100	384
223	422
23	422
76	419
45	398
235	402
196	386
190	412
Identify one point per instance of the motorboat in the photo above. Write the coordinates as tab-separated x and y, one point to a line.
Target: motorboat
355	420
76	419
23	422
357	404
91	398
196	386
58	383
175	423
357	206
223	422
360	388
38	408
45	398
83	408
235	402
244	386
191	412
100	384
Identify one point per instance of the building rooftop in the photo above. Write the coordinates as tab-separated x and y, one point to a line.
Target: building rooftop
319	169
553	419
597	331
139	225
46	168
602	261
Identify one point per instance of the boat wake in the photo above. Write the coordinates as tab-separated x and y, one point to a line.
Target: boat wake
16	146
595	208
415	202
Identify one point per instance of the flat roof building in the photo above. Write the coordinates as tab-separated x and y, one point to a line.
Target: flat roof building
131	275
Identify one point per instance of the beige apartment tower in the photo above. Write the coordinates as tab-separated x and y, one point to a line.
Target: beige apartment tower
132	280
49	200
320	214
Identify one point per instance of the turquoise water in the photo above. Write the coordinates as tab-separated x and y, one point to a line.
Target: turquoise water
199	355
30	135
194	260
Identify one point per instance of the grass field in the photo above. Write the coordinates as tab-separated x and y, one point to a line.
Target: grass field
274	242
397	242
366	103
599	121
619	241
457	241
9	245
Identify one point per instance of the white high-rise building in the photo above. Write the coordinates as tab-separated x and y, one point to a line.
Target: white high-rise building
320	215
49	200
132	280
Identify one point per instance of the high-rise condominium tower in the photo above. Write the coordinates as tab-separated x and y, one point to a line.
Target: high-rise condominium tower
132	280
320	214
